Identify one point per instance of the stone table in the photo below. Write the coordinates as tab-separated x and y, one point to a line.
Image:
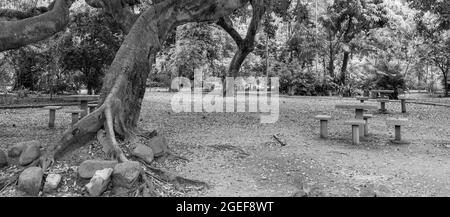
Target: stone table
84	100
359	111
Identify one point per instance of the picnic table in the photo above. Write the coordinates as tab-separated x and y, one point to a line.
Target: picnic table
359	111
84	100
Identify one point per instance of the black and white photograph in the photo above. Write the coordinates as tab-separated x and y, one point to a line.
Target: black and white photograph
224	99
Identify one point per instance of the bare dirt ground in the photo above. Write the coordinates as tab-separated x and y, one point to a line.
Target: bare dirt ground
237	156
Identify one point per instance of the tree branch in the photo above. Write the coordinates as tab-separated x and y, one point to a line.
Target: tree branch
227	25
119	10
15	34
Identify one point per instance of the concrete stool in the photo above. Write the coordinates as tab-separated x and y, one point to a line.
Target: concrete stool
366	118
75	115
383	104
356	123
398	123
323	125
362	99
403	102
92	107
52	116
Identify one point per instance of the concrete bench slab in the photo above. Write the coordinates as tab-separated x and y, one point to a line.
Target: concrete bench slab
397	121
362	98
52	107
367	116
355	122
323	117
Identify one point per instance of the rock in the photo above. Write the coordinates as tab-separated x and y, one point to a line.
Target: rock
143	152
52	182
3	159
30	154
159	146
30	181
300	193
367	191
120	192
18	148
88	168
126	174
99	182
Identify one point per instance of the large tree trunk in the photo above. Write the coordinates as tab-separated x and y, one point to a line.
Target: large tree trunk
124	86
245	45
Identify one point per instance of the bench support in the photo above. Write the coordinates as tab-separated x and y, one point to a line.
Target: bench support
398	135
323	129
52	117
355	135
74	118
403	105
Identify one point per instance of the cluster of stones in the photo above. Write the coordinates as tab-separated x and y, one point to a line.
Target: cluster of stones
101	173
26	152
122	175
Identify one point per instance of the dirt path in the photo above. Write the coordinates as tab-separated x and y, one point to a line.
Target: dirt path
333	166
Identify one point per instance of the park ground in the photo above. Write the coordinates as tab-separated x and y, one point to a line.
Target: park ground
236	155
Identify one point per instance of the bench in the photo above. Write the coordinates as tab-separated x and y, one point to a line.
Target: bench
75	115
92	107
356	123
366	118
52	116
383	105
362	99
323	125
398	123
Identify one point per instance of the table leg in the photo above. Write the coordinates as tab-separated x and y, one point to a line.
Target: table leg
360	115
403	105
84	107
398	136
383	106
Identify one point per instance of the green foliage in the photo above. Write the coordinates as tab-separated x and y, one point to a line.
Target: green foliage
388	76
89	48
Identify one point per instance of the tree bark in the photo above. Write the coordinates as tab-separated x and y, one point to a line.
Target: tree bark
18	33
344	67
125	82
119	10
446	83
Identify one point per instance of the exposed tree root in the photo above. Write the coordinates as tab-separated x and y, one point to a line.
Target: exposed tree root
176	180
